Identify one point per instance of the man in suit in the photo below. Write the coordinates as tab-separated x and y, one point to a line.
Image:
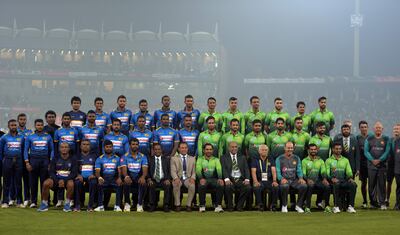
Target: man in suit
350	148
235	171
183	173
159	177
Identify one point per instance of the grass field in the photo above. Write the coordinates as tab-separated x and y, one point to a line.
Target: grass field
28	221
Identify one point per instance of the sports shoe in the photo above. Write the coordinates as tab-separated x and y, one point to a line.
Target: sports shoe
71	203
307	210
99	209
43	207
127	207
328	209
33	205
26	204
11	202
4	205
321	205
20	205
299	209
59	203
383	207
336	210
364	205
202	209
218	209
350	209
117	209
67	207
139	208
284	209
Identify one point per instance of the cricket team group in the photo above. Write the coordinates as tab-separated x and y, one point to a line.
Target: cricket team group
244	160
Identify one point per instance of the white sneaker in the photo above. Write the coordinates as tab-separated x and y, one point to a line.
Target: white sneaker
284	209
321	204
117	209
336	210
202	209
299	209
11	202
59	203
21	206
219	209
383	207
26	204
71	203
4	205
127	207
139	208
350	209
99	208
33	205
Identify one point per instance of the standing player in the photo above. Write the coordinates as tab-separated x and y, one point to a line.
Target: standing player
232	136
167	137
277	139
119	141
143	111
363	126
123	114
253	114
322	114
189	135
301	112
300	138
188	110
323	142
78	118
254	140
233	113
272	116
103	119
66	134
144	135
165	109
93	133
390	163
211	104
51	126
396	161
210	135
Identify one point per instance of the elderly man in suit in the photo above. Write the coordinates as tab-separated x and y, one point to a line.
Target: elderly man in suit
183	173
236	174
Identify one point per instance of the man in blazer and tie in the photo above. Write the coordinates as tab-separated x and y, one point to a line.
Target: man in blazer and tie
236	174
183	173
159	177
350	148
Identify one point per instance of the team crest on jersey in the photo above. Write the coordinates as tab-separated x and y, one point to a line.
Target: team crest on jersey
120	138
71	132
18	139
382	142
294	162
125	114
114	160
147	135
170	133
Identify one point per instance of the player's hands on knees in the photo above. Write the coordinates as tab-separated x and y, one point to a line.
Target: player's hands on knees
167	182
192	181
176	181
220	182
142	180
284	181
275	184
150	182
128	180
118	181
335	181
61	184
325	182
302	181
203	181
351	180
310	182
101	181
80	178
28	166
92	177
256	184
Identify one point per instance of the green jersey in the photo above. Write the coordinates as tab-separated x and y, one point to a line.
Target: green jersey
207	169
300	140
250	116
208	137
228	116
203	117
271	117
313	169
276	143
325	116
324	144
229	137
306	122
251	143
338	168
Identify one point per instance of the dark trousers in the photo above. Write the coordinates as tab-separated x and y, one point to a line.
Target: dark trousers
1	179
130	189
12	176
377	185
341	189
293	185
321	189
109	186
213	185
80	189
397	177
241	191
26	178
272	191
153	196
39	170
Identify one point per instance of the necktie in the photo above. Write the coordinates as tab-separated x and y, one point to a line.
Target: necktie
346	145
235	166
158	176
184	163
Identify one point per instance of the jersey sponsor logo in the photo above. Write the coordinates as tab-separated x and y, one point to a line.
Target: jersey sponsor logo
39	143
63	173
189	139
143	140
133	166
100	122
109	166
76	123
147	122
91	136
124	119
87	168
166	138
116	143
68	138
13	144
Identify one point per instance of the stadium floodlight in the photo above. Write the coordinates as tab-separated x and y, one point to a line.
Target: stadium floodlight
356	20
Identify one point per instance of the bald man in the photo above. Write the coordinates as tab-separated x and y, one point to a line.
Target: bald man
376	150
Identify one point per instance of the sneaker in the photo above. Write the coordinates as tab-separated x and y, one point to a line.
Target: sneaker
364	205
350	209
383	207
89	210
20	205
59	203
139	208
336	210
328	209
127	207
71	203
117	209
26	204
4	205
307	210
67	207
11	202
299	209
321	205
202	209
284	209
43	207
33	205
99	209
218	209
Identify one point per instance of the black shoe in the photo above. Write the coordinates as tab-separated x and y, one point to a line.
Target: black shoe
240	209
166	209
229	209
151	209
273	209
188	209
177	208
260	208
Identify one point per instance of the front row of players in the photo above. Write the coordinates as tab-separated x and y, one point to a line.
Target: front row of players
134	174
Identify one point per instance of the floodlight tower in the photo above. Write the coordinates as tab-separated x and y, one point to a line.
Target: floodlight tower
356	23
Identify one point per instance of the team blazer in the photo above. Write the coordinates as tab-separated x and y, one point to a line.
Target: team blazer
177	170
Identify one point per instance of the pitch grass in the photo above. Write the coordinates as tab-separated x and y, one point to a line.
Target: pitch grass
365	221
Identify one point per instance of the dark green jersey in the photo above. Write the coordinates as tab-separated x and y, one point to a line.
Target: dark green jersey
250	116
338	168
324	144
271	117
325	116
276	142
313	169
207	169
251	143
229	137
300	140
228	116
208	137
203	117
306	122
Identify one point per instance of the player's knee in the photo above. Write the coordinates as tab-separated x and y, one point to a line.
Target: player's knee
70	184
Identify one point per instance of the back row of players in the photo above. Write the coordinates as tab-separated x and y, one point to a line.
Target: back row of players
167	128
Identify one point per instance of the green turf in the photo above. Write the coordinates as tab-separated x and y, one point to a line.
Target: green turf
28	221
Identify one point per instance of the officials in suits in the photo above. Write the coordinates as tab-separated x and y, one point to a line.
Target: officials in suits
350	147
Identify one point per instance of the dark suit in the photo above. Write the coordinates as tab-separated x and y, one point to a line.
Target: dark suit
164	183
237	185
354	151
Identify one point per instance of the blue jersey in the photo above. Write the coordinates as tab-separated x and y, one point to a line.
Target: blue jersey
134	165
145	139
108	166
171	115
63	169
25	132
195	114
147	115
94	134
68	135
190	137
11	146
124	116
78	118
86	165
39	146
120	143
102	120
166	137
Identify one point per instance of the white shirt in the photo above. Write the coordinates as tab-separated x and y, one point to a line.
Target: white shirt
184	172
155	167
